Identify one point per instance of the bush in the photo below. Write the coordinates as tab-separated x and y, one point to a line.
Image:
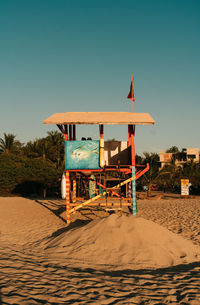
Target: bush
20	174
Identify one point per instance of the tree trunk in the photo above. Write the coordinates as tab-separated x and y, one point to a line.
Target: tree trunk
44	190
149	190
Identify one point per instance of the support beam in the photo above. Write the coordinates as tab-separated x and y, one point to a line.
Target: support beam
142	172
61	128
134	203
68	196
66	137
131	144
70	132
74	132
101	153
74	189
100	195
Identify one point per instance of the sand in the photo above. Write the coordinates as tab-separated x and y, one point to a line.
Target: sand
98	259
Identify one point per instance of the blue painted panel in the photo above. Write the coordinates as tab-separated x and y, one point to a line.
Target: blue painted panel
82	155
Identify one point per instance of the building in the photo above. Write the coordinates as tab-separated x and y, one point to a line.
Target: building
186	155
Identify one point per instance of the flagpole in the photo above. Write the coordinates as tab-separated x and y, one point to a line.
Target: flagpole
132	92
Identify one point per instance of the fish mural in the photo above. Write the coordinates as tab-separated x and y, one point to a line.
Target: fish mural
82	154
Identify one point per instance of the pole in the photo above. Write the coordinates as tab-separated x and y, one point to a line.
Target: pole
132	93
74	189
68	196
70	132
66	137
74	132
101	154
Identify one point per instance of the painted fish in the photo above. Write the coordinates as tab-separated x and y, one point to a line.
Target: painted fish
83	152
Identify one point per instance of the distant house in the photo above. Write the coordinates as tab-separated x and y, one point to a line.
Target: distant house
186	155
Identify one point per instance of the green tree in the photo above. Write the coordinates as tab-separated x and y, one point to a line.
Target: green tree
154	174
173	173
191	171
50	148
16	171
8	144
173	149
56	147
37	149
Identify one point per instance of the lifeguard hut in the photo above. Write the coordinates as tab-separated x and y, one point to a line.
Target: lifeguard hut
88	156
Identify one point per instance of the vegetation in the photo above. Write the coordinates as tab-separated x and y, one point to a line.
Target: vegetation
35	168
173	149
8	144
169	177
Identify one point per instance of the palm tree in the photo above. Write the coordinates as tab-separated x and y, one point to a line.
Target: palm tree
9	144
37	148
173	174
173	149
56	147
191	171
154	174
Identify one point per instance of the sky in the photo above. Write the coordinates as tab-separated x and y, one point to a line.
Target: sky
65	55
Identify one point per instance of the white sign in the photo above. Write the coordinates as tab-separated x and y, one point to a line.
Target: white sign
185	187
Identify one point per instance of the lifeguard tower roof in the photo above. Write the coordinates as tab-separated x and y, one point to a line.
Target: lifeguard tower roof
104	118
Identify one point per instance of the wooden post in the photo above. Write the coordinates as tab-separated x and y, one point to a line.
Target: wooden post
70	132
74	189
131	143
134	204
66	133
68	196
101	153
74	132
66	137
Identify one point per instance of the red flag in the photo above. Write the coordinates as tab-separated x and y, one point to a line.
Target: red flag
131	93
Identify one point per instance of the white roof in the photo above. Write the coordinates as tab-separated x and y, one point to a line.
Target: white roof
104	118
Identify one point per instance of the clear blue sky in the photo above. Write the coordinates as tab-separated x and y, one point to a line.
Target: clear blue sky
65	55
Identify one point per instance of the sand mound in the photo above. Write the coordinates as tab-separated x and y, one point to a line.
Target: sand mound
121	240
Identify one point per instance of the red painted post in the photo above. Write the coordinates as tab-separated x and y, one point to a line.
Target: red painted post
101	153
74	189
68	196
66	133
133	144
129	135
66	137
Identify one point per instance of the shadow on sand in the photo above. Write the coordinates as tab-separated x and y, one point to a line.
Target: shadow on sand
54	207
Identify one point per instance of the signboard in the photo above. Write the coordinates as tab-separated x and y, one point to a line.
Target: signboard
82	154
185	187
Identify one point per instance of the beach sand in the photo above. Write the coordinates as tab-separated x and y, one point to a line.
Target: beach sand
93	260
